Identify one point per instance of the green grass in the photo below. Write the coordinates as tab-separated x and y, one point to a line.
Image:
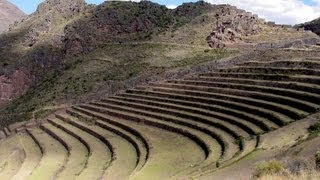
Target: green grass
269	168
314	129
42	113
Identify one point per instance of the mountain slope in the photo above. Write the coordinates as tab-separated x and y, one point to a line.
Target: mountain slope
69	52
9	13
32	48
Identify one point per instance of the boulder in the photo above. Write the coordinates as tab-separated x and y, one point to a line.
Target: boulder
6	132
2	134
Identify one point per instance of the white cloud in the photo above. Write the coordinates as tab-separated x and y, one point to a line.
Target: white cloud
281	11
171	6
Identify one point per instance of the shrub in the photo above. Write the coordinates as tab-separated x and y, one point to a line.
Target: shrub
315	128
269	168
317	156
240	142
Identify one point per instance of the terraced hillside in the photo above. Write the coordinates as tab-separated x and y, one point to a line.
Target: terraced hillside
172	129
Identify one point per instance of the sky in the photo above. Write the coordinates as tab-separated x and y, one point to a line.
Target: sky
280	11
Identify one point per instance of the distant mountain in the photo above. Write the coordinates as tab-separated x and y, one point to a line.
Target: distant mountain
9	13
314	26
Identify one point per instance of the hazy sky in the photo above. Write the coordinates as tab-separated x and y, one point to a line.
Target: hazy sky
281	11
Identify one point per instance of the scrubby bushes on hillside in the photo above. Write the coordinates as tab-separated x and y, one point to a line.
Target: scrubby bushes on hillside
295	169
269	168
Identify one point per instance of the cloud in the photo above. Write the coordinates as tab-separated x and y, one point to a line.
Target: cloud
171	6
280	11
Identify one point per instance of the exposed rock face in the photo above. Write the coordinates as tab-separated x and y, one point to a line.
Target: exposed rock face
14	86
9	13
232	24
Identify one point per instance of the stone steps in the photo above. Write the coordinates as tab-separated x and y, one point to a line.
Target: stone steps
33	156
249	128
284	64
271	70
206	103
263	76
78	151
211	98
206	142
100	155
299	101
298	86
54	155
114	125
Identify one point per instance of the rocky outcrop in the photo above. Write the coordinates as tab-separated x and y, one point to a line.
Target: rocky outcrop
14	86
9	13
232	24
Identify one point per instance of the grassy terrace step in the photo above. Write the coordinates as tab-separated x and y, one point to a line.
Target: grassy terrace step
33	156
294	108
138	159
178	117
214	129
304	87
206	103
125	152
277	118
78	152
228	133
285	64
270	77
54	156
290	106
205	142
100	155
249	128
309	100
268	70
161	143
113	124
227	136
201	109
226	141
12	157
180	112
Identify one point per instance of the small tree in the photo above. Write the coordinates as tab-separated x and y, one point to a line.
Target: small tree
317	156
